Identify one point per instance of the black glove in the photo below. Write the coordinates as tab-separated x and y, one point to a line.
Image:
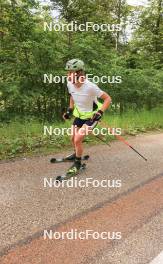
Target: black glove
97	116
68	113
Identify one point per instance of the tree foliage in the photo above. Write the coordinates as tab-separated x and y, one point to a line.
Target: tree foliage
28	52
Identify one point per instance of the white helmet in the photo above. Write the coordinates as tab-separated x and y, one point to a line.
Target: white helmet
75	65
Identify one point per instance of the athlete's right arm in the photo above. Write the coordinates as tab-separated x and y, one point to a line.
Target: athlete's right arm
68	113
71	102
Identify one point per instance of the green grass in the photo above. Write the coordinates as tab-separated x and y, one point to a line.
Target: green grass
27	138
135	122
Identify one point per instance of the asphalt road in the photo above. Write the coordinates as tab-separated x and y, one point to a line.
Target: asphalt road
134	209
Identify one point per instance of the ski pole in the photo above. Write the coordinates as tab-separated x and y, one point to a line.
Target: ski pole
125	142
97	136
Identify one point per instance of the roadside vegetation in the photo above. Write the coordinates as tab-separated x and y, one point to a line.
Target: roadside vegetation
21	139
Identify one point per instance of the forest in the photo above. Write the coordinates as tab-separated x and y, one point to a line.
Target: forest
122	50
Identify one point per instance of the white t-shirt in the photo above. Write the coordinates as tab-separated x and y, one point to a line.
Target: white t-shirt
85	95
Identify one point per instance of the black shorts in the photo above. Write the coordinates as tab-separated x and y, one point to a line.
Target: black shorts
80	122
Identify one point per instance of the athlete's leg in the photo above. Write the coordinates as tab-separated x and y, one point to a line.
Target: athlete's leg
77	124
78	143
74	130
78	140
86	129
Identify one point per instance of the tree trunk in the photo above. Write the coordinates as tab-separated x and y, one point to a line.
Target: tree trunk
118	21
158	22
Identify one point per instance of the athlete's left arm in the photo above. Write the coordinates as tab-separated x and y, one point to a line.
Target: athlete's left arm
107	101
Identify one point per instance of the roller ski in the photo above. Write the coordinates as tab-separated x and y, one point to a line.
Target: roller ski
69	158
74	170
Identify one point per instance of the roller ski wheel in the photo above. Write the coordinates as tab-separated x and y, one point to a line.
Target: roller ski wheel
69	158
72	172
